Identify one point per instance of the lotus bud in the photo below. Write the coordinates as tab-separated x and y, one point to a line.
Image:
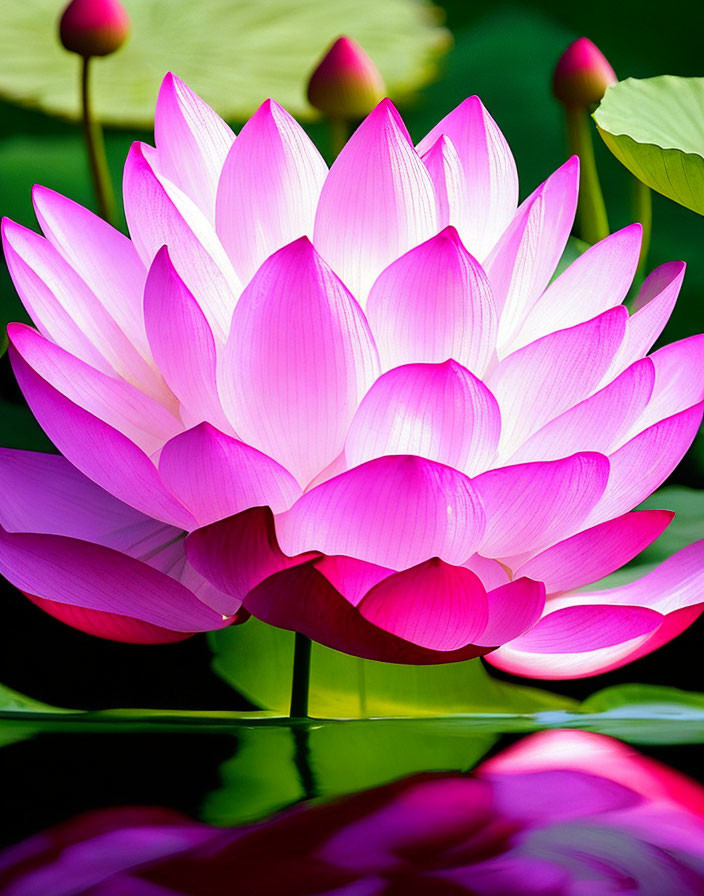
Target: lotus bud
94	27
582	75
345	84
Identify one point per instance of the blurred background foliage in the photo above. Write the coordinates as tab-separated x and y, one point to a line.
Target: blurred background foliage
503	51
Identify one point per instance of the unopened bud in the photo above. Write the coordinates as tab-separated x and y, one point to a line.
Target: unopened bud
94	27
582	74
345	84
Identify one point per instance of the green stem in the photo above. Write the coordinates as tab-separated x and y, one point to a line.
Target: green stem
642	211
301	677
591	210
339	135
95	145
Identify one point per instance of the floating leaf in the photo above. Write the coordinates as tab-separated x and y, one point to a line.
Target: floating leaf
233	52
655	127
256	659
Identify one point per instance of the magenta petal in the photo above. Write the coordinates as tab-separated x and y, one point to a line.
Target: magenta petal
182	342
434	303
216	476
377	201
238	553
679	381
192	142
99	451
438	411
298	360
449	182
87	575
434	605
597	551
352	578
529	506
269	188
489	194
513	609
420	509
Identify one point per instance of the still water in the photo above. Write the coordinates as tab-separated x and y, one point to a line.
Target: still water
342	810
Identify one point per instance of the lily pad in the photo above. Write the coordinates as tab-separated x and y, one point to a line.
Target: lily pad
233	52
655	127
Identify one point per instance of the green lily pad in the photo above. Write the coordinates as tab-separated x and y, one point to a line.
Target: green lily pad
655	127
233	52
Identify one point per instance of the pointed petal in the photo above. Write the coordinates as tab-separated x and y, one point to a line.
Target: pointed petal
596	281
159	214
492	573
523	261
653	455
490	190
238	553
420	510
599	423
192	142
298	360
269	189
438	411
114	401
513	608
529	506
302	599
597	551
445	170
433	605
215	476
544	379
434	303
182	342
377	201
87	575
102	256
105	455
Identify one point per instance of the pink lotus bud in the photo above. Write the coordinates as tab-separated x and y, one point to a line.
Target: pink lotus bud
582	74
94	27
345	83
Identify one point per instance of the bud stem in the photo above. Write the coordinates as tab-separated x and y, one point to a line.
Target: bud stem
339	134
591	210
301	677
95	146
642	211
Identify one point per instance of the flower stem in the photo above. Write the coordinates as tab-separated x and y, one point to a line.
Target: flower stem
339	134
95	146
301	677
642	211
591	210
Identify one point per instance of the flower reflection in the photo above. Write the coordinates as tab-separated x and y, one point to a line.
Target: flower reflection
563	812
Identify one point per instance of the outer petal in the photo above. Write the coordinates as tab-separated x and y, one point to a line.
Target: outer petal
420	509
488	200
192	142
103	257
182	342
596	552
599	423
445	170
438	411
87	575
105	455
215	476
238	553
529	506
299	358
352	578
159	214
544	379
377	201
596	281
114	401
269	188
68	312
654	454
434	605
523	261
434	303
513	608
301	599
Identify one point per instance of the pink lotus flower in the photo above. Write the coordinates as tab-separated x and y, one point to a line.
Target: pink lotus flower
562	813
392	431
